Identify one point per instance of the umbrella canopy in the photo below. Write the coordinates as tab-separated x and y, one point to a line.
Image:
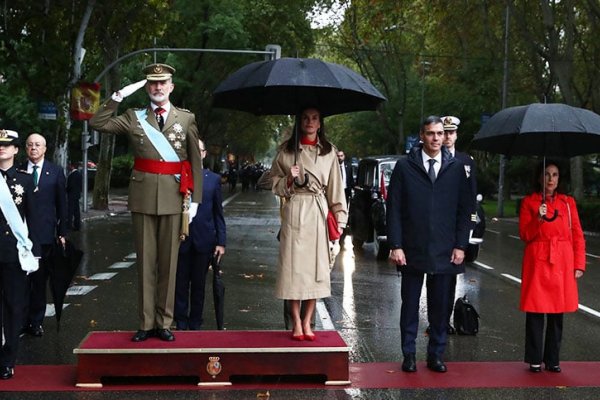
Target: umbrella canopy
65	262
288	85
551	130
218	291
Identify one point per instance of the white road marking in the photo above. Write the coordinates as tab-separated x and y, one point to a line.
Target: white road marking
493	231
324	315
227	200
512	278
592	255
131	256
589	310
514	237
121	265
104	276
482	265
80	290
51	311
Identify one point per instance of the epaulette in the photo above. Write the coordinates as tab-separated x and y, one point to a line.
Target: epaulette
183	109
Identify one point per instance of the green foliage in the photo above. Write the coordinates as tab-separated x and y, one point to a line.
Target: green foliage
121	170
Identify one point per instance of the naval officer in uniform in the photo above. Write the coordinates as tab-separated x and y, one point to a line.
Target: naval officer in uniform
164	142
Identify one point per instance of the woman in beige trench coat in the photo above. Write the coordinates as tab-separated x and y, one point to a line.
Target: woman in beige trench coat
303	272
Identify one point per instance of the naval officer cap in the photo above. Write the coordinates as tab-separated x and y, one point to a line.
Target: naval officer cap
158	72
8	137
450	123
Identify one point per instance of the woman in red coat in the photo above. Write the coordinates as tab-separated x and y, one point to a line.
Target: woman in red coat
554	259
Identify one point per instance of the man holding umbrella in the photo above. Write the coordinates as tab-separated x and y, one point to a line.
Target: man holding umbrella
207	240
164	141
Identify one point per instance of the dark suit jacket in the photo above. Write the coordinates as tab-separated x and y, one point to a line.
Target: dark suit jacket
50	199
428	219
207	229
20	185
471	174
74	184
349	177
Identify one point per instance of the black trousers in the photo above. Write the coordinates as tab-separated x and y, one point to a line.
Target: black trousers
536	348
37	283
13	284
73	212
438	286
192	268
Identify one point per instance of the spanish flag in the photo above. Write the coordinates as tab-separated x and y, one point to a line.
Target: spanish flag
85	100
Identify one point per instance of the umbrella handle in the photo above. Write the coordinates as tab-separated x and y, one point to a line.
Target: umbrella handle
300	185
552	218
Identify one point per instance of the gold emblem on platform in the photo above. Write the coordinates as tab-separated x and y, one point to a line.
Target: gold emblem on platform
214	366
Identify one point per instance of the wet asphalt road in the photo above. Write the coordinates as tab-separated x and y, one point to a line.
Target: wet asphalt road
364	307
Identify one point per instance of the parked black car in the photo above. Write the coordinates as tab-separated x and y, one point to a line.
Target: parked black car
367	217
367	206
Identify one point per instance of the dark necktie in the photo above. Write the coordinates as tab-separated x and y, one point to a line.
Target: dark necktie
36	177
159	111
431	170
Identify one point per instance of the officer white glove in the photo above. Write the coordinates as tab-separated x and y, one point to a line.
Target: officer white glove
128	90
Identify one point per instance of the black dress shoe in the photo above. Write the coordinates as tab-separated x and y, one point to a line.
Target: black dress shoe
410	363
6	372
165	334
36	330
142	335
535	367
437	365
553	368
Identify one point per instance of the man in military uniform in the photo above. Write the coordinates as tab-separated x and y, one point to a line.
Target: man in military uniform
16	204
164	142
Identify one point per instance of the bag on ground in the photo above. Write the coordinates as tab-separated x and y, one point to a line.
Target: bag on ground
466	318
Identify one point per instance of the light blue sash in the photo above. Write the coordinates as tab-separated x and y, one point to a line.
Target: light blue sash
158	140
11	213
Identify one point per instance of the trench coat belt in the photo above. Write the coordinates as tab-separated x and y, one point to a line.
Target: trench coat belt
319	197
554	248
182	168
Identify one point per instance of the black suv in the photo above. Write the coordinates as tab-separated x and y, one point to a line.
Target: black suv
367	217
367	207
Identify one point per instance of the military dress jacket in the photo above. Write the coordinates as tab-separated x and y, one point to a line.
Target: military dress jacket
149	193
20	184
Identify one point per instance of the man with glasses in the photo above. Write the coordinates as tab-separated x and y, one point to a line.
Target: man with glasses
50	220
206	240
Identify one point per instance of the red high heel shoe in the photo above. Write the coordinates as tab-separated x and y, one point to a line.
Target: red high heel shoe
298	337
310	338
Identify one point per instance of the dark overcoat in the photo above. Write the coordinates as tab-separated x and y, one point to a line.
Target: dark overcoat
428	219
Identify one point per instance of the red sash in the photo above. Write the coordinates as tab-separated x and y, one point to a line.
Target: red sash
184	168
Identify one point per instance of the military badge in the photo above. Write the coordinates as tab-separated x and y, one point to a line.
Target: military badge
19	190
177	145
177	127
468	171
214	366
171	137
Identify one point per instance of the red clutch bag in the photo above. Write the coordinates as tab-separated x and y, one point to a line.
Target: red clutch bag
332	227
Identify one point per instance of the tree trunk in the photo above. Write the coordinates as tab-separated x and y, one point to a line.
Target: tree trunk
104	167
577	178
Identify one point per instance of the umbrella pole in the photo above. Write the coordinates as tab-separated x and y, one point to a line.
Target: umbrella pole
296	146
553	217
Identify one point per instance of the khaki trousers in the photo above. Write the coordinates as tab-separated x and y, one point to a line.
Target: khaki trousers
157	246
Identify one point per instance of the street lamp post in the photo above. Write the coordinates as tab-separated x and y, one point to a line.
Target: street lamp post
424	67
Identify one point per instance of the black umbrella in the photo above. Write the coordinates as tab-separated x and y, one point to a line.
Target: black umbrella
288	85
557	130
218	290
547	130
65	261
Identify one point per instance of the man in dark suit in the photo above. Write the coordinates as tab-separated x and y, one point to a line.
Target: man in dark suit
49	216
207	238
74	186
18	189
451	124
347	177
428	232
164	142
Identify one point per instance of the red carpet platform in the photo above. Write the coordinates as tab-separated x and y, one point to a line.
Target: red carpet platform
212	357
50	378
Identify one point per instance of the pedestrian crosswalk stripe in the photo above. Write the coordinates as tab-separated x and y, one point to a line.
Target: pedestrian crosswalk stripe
102	276
131	256
121	265
80	290
51	311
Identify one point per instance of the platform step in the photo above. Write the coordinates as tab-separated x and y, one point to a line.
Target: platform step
214	357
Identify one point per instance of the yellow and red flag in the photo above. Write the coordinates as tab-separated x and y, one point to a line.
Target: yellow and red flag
85	100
